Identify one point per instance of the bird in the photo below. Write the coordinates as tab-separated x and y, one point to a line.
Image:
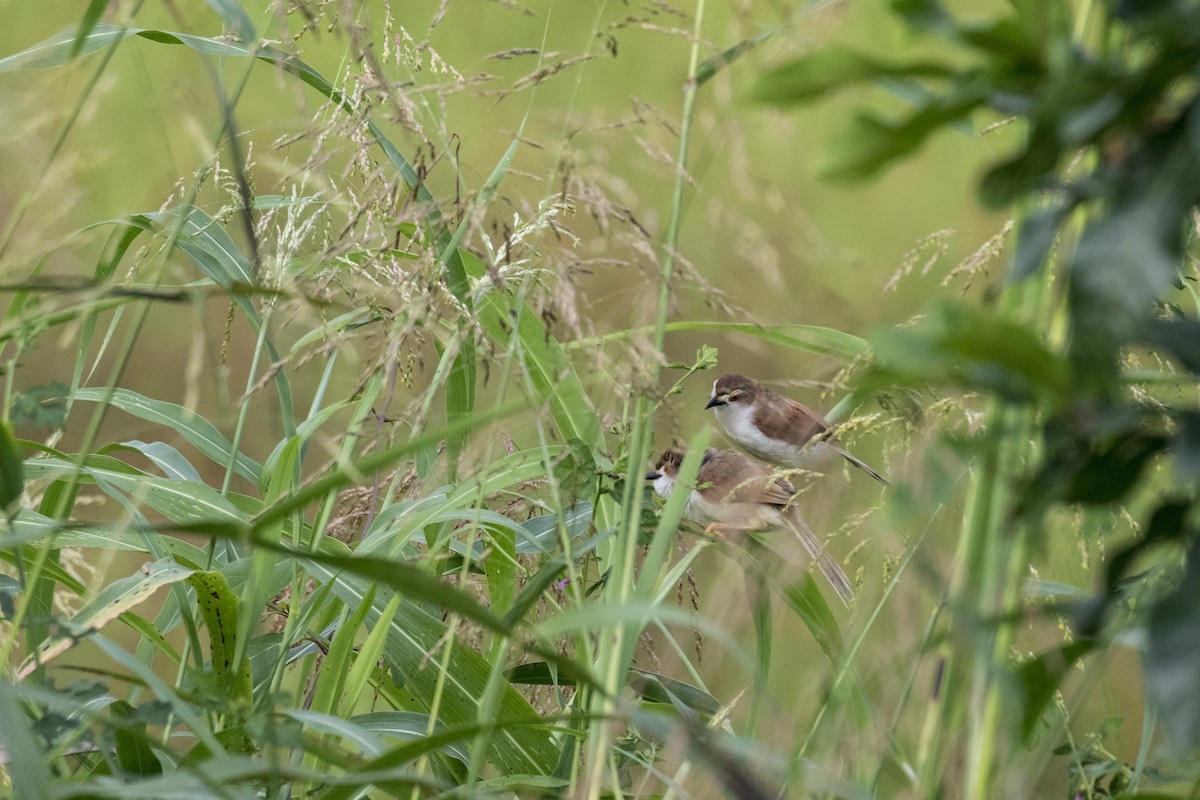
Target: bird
774	428
737	493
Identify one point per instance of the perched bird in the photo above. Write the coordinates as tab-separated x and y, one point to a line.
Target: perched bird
736	493
774	428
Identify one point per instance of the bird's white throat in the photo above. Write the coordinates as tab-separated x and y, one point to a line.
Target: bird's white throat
663	485
738	422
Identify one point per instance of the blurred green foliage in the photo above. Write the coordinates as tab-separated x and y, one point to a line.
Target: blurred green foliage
1108	176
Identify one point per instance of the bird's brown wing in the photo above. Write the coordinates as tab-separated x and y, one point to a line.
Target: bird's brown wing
763	489
784	418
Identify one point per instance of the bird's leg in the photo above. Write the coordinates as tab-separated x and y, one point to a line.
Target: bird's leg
719	529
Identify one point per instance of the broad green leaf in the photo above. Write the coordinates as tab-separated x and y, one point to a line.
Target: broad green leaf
412	635
165	457
373	771
31	527
184	503
369	656
134	753
872	142
112	601
349	730
327	694
12	473
200	433
325	330
399	521
1172	657
540	534
27	766
1040	678
805	599
974	349
406	726
42	406
91	16
1036	238
835	67
219	608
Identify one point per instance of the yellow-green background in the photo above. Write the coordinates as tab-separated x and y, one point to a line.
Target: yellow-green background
760	225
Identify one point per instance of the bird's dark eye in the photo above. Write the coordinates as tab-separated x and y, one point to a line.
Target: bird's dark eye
734	395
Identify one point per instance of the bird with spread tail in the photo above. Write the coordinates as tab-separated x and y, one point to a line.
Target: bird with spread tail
774	428
736	493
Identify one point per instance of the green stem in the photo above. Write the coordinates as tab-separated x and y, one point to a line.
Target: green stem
617	643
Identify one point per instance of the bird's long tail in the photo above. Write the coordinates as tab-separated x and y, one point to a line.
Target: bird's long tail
856	461
828	565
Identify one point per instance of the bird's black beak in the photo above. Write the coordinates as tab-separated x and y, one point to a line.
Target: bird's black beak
653	476
716	400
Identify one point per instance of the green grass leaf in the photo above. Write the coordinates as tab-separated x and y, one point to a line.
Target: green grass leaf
26	764
12	473
111	602
184	503
219	607
412	635
835	67
199	432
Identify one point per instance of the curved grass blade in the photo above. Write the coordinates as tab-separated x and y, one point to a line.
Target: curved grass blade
212	250
198	432
31	527
165	457
403	754
413	634
407	726
236	18
350	730
184	503
91	16
113	601
551	373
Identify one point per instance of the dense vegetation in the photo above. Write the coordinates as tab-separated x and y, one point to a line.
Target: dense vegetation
325	476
